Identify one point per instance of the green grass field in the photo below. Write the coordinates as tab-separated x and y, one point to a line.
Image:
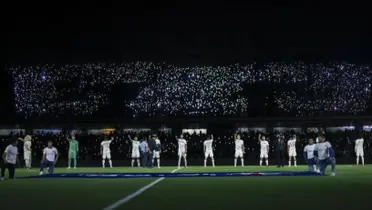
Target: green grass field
349	189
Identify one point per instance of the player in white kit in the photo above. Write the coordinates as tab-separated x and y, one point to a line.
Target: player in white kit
27	152
208	150
50	158
326	155
309	155
264	151
292	151
135	150
182	150
106	152
359	150
157	151
239	150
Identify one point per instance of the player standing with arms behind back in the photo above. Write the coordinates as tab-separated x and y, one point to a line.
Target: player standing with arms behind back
182	150
316	159
27	151
359	150
157	151
72	151
106	151
292	151
208	150
264	154
135	150
239	150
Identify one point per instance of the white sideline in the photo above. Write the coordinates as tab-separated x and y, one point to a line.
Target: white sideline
135	194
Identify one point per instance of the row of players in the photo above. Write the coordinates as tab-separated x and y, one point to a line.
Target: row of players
239	150
141	146
320	154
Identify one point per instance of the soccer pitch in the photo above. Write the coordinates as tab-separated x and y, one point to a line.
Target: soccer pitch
349	189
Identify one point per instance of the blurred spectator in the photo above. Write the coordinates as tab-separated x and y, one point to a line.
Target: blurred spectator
151	89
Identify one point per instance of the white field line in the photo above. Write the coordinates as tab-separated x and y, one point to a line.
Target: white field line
135	194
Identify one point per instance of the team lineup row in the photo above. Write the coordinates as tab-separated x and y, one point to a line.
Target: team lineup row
50	153
139	147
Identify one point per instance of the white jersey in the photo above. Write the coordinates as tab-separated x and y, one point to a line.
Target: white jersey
182	145
135	149
239	144
323	150
157	141
292	144
239	147
50	153
309	149
11	154
27	146
106	146
359	144
157	153
208	145
135	146
264	144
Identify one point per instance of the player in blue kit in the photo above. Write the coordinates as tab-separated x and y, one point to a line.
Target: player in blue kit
325	154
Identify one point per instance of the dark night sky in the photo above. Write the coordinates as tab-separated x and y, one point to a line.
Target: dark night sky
210	34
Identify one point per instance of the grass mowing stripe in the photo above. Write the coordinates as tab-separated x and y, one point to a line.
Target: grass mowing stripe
135	194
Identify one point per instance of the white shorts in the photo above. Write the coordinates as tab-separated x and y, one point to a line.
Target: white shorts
208	154
264	154
27	155
292	153
182	153
135	154
359	153
238	154
106	155
156	154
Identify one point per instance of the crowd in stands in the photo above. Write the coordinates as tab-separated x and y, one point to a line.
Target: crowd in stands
168	90
342	141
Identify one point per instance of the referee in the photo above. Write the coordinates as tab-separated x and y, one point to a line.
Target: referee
10	158
144	153
279	150
151	143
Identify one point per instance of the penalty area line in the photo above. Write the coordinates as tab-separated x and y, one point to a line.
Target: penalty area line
135	194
